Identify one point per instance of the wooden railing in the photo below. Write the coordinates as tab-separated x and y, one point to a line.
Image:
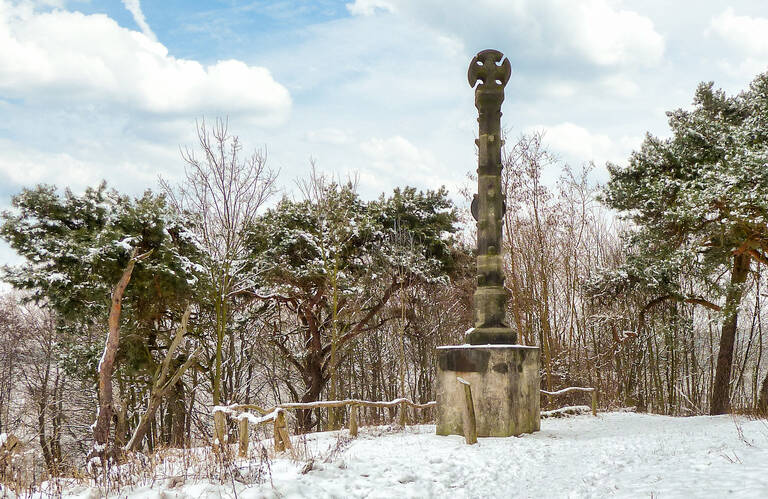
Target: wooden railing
276	415
576	389
243	413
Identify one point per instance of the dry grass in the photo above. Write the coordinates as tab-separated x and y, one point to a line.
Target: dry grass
166	468
169	468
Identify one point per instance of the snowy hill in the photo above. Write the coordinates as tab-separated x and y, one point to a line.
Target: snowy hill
613	455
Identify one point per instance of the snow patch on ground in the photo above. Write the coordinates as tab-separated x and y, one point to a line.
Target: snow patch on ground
612	455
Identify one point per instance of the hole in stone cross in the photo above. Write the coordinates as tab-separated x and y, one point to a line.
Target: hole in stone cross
498	82
479	63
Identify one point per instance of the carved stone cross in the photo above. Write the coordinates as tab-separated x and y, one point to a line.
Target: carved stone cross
492	70
506	375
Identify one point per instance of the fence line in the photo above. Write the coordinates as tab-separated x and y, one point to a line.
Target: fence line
276	415
577	389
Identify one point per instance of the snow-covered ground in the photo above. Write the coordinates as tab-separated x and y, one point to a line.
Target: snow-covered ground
612	455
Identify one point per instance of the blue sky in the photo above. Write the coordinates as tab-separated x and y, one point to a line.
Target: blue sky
97	89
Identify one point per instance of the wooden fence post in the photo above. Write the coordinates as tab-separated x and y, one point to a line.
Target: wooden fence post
281	437
220	429
242	449
353	420
277	437
468	420
594	401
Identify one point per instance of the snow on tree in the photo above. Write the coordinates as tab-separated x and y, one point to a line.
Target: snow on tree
699	203
77	247
331	260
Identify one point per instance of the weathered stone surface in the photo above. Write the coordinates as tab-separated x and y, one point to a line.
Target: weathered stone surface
465	360
504	377
492	70
505	391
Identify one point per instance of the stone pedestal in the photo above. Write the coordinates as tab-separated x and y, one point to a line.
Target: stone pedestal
505	389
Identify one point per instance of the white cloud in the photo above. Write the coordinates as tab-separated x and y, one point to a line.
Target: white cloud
328	136
620	85
596	31
24	166
134	7
404	163
396	153
610	36
578	144
748	34
76	58
747	39
34	168
744	69
559	89
369	7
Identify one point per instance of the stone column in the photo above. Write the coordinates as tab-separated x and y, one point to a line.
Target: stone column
504	377
488	205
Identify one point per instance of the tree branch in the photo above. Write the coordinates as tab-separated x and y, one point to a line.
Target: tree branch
359	327
758	256
695	300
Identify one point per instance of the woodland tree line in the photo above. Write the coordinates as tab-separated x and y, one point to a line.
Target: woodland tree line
649	288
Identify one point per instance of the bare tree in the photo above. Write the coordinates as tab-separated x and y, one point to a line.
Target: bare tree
531	212
10	358
44	381
224	189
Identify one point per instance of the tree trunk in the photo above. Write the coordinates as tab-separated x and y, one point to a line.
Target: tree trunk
762	404
42	404
57	421
721	403
142	428
163	385
312	394
178	411
106	366
190	407
45	444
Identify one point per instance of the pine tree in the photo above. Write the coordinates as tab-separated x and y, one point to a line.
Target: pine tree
699	203
329	259
77	247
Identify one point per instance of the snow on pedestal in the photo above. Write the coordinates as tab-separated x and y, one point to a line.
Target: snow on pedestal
505	389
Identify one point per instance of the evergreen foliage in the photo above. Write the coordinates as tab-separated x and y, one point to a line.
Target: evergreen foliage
335	261
699	204
296	241
698	196
75	249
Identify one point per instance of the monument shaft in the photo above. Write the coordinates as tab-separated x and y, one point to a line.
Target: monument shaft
488	206
504	377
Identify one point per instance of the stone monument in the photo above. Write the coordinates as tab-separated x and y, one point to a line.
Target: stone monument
504	377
